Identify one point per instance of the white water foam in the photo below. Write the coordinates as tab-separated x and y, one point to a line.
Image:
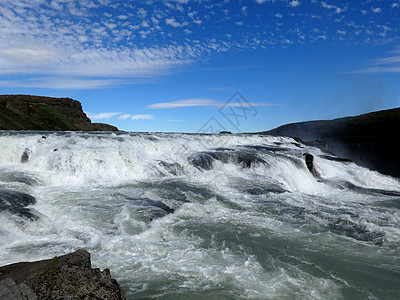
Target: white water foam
250	221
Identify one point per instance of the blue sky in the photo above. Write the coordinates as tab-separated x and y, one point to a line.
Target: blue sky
200	65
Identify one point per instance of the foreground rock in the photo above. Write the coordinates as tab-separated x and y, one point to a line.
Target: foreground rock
369	140
25	112
66	277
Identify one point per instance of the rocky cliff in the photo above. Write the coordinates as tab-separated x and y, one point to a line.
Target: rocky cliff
370	140
69	276
25	112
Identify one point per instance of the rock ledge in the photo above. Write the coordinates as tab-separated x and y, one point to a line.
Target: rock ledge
69	276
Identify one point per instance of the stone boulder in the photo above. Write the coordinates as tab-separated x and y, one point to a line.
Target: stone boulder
69	276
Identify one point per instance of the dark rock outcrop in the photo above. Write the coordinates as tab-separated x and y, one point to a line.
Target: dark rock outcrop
204	160
66	277
309	159
369	139
10	290
16	203
25	112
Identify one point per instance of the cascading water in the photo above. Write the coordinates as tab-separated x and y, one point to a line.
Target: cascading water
190	216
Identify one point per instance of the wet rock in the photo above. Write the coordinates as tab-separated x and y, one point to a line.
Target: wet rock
370	191
275	189
9	290
172	169
202	161
16	203
366	139
351	229
249	160
66	277
25	155
310	164
335	158
205	160
153	209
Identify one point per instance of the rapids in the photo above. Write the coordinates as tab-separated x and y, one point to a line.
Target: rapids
195	216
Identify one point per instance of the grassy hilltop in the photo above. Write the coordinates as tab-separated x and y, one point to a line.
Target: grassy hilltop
25	112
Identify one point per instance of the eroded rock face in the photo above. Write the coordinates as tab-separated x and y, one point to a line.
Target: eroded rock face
368	139
69	276
26	112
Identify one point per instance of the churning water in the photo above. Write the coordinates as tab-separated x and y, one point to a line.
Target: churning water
183	216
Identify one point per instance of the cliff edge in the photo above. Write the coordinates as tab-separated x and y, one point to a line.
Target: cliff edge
370	140
25	112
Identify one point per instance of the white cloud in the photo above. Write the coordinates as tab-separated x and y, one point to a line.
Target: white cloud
181	1
28	54
174	23
183	103
390	64
326	5
65	83
338	10
95	62
96	43
201	102
124	116
141	13
142	117
102	116
294	3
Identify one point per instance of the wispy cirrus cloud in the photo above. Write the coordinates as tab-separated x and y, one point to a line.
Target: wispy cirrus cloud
121	116
201	102
127	63
102	116
183	103
142	117
67	83
124	116
109	40
388	64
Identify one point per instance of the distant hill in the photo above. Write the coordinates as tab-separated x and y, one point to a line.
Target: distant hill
370	140
25	112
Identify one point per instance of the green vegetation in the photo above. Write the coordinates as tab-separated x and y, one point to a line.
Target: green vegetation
25	112
50	118
9	119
